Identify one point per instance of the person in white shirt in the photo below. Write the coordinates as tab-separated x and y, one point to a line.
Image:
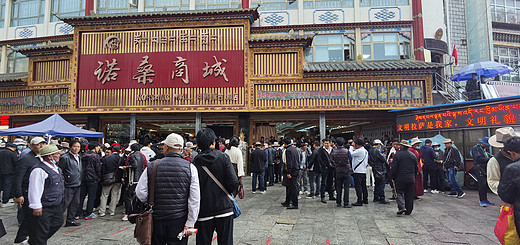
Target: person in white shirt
45	193
235	155
359	166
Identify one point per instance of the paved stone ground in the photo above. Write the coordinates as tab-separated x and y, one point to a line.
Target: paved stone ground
436	219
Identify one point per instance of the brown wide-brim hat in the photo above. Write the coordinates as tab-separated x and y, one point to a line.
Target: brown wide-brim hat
275	144
446	141
501	136
405	143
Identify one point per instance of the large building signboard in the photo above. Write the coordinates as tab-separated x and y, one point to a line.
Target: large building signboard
478	116
200	66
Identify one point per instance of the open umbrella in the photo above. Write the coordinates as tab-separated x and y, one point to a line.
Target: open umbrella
486	69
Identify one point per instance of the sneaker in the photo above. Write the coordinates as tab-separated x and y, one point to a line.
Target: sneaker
112	214
435	192
91	216
306	192
490	203
9	204
301	192
461	195
483	204
425	190
77	218
73	223
253	192
262	192
101	214
309	196
453	195
125	218
26	241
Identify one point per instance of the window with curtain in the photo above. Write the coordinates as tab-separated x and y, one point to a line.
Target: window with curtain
2	13
386	46
330	48
17	62
508	56
217	4
382	3
166	5
268	5
323	4
115	6
27	12
67	8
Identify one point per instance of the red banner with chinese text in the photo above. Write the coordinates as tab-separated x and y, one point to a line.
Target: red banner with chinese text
182	69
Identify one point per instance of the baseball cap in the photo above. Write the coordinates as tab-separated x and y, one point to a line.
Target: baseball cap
377	142
174	140
37	140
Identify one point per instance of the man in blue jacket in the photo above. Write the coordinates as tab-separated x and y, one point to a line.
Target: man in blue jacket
428	157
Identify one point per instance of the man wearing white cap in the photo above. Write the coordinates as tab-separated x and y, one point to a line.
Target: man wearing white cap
497	164
378	163
45	192
177	193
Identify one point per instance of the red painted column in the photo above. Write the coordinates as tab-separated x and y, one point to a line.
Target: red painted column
245	4
89	6
418	32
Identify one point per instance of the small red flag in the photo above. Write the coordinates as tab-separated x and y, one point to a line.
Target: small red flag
455	55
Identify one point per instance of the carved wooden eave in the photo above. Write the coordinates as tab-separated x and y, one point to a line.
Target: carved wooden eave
57	49
27	41
280	41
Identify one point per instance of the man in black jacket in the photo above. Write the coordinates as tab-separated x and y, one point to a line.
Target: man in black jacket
135	165
314	170
481	156
111	181
257	167
21	185
91	163
72	169
271	158
378	163
176	193
452	163
429	173
404	168
8	161
327	167
509	185
341	158
292	159
216	209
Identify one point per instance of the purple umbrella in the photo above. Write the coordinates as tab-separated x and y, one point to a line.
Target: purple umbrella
486	69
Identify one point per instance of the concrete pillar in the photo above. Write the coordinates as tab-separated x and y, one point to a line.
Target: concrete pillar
198	122
192	4
132	126
323	126
358	45
301	20
3	63
47	17
7	19
140	6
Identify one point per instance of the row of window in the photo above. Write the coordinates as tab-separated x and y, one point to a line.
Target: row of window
506	11
30	12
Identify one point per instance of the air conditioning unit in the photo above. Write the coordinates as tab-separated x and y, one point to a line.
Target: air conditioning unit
133	3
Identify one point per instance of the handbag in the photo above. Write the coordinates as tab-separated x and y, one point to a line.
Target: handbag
241	192
108	178
505	228
144	221
236	209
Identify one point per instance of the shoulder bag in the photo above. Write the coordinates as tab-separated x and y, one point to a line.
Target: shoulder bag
236	209
144	221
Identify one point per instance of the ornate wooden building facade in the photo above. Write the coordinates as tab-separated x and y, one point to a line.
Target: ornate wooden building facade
208	67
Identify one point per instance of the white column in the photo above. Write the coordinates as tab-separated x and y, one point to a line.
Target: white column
7	20
323	126
356	10
198	122
47	17
300	13
140	6
3	64
192	4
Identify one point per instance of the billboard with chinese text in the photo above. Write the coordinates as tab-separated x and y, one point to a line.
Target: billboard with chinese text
476	116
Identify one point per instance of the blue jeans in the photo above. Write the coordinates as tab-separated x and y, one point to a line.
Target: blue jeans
455	187
260	177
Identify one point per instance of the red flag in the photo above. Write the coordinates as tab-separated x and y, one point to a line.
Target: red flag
455	55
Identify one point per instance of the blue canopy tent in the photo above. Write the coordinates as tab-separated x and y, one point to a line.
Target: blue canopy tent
54	126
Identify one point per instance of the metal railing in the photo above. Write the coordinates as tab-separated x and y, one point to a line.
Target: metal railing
448	88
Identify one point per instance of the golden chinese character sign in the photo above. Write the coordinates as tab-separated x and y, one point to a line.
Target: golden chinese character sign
180	66
477	116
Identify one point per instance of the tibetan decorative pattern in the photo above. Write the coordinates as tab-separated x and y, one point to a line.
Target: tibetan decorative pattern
63	28
384	14
274	19
34	101
275	64
174	98
25	32
321	95
328	16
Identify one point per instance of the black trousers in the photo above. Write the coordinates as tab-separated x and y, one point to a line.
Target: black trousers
166	231
87	188
71	202
277	173
483	187
330	181
270	174
6	180
405	194
223	226
360	184
438	177
128	198
379	187
291	191
43	227
428	174
342	183
23	229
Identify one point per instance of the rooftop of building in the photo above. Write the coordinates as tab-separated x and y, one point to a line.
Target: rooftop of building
13	79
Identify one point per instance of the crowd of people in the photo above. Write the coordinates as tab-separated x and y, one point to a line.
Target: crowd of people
79	178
